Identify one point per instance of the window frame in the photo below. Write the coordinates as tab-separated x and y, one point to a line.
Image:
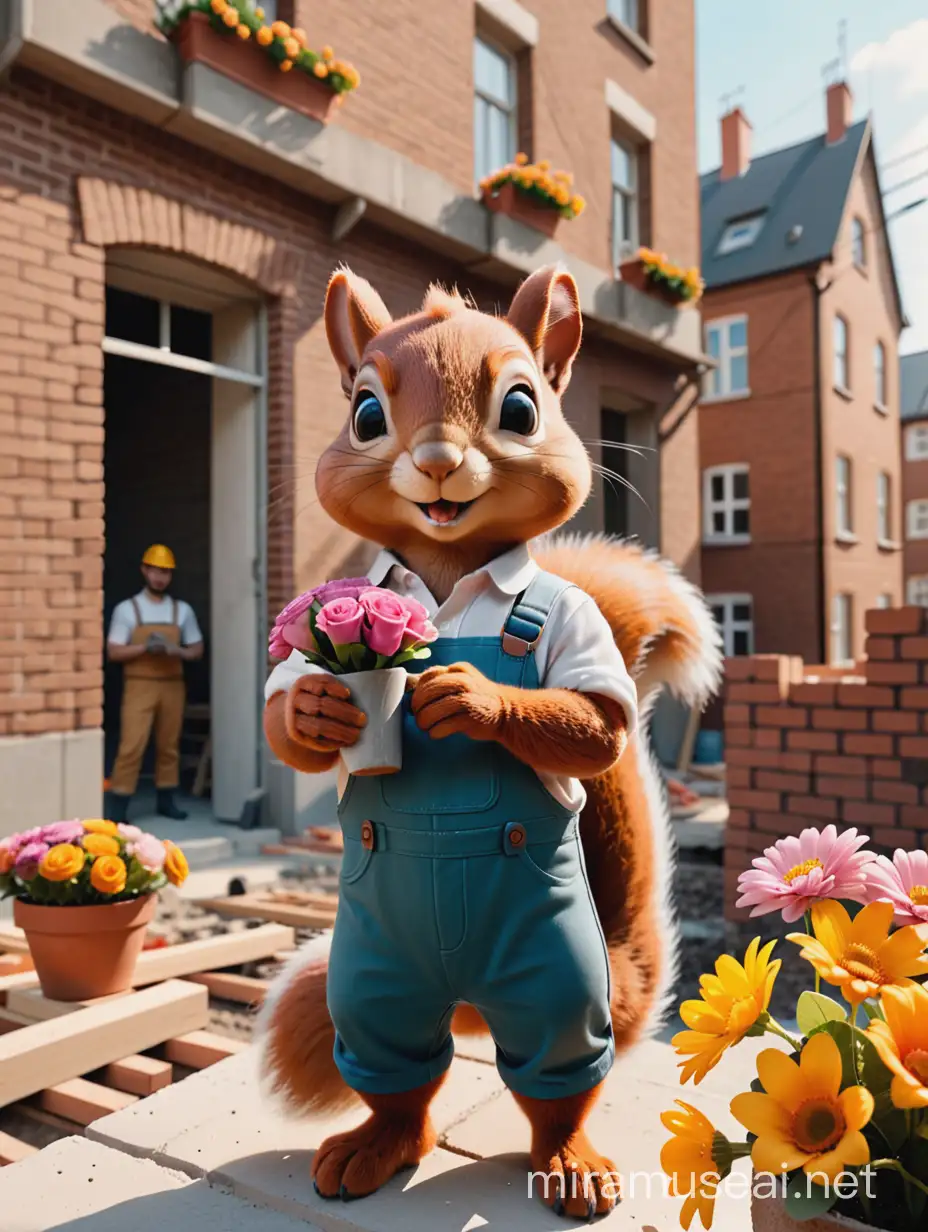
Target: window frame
884	508
912	510
880	378
727	353
754	223
842	601
622	249
842	321
729	626
481	95
844	500
728	506
612	11
912	586
913	432
859	232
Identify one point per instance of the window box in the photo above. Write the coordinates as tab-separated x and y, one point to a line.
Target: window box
532	194
652	274
507	199
259	65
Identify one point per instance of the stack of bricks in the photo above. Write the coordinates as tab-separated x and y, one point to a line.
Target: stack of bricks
805	746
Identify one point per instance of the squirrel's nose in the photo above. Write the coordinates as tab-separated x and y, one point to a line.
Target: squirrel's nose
437	459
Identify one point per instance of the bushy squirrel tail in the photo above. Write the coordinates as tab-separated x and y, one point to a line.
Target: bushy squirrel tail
668	639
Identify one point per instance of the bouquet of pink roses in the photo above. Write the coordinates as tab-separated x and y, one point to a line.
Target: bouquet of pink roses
352	626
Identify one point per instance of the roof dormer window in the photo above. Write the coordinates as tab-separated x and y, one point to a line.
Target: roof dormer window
740	233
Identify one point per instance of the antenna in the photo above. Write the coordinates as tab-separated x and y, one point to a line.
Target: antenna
836	69
732	99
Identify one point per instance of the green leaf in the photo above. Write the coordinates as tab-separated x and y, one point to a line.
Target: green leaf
874	1011
805	1200
814	1010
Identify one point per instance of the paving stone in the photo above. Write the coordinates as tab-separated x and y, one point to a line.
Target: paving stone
80	1186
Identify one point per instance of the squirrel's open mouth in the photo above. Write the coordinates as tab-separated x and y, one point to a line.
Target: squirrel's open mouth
445	512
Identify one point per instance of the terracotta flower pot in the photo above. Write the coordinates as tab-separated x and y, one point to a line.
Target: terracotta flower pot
523	208
634	273
85	952
768	1215
250	65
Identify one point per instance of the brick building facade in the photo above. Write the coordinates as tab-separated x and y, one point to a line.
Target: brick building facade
799	424
139	195
913	384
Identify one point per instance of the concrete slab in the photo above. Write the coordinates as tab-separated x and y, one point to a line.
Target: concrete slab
220	1115
79	1186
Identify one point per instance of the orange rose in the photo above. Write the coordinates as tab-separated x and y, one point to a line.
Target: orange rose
243	32
280	29
98	826
101	845
299	35
175	864
230	17
320	69
108	875
61	863
292	48
264	36
7	860
286	66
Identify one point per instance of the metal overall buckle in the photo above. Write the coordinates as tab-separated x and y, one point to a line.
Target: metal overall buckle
518	647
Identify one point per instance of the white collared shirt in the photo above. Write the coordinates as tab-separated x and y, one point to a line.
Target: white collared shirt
576	649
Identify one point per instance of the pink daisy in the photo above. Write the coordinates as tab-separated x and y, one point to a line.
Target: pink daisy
902	881
796	872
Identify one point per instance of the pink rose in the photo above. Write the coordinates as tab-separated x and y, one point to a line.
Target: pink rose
387	618
341	620
28	859
149	851
345	588
62	832
419	628
128	832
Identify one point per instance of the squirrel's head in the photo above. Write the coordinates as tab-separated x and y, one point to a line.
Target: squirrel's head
455	432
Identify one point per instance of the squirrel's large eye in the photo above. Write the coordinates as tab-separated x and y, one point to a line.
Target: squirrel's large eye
519	412
368	418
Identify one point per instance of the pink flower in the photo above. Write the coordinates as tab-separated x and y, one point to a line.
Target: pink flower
419	629
341	620
129	833
291	629
387	618
902	881
796	872
15	842
62	832
28	859
149	851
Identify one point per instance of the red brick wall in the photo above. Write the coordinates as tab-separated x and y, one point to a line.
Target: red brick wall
805	746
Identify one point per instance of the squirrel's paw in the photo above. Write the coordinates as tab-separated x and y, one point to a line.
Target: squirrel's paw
320	714
458	698
575	1180
356	1163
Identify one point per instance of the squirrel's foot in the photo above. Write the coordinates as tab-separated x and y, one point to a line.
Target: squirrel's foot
575	1179
397	1135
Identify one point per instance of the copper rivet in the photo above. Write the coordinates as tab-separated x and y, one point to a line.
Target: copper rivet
517	836
367	835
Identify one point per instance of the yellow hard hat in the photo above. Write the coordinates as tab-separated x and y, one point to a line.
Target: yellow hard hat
159	557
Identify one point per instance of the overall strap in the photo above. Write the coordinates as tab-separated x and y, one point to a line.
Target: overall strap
137	610
530	613
174	620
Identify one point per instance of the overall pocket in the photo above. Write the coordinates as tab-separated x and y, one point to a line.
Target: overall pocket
355	861
558	863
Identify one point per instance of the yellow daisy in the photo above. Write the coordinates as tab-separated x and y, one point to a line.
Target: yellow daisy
689	1161
902	1042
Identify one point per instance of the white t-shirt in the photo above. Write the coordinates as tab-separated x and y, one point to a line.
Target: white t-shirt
153	612
576	649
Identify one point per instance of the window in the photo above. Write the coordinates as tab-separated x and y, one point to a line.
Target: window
625	11
879	373
917	590
727	343
844	519
740	234
916	443
917	519
884	520
494	109
858	245
884	601
734	616
842	367
842	610
624	200
726	505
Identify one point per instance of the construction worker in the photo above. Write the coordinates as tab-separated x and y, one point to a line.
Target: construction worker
152	635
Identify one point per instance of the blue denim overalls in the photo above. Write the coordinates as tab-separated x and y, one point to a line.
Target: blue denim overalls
463	880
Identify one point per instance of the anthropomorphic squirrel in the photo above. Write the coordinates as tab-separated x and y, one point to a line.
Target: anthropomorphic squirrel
513	875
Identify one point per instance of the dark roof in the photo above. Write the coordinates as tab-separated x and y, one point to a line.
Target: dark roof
805	185
913	386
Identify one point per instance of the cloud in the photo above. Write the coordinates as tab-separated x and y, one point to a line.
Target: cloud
902	58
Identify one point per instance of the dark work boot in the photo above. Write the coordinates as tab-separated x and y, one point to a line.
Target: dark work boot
118	807
166	806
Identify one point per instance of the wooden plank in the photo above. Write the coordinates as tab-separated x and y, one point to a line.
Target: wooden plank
244	989
32	1005
12	1150
178	960
198	1049
13	939
12	964
12	1022
139	1075
48	1053
256	906
82	1102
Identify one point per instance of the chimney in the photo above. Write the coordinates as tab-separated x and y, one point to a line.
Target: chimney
839	104
736	144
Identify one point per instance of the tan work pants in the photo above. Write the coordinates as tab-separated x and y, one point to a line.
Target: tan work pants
147	704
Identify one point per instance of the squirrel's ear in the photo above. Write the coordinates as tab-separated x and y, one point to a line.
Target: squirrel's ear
546	312
354	314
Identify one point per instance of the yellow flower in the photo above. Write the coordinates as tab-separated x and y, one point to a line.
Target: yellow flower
731	1002
299	35
230	17
521	159
902	1042
101	845
802	1118
544	165
688	1160
264	36
218	6
98	826
175	864
327	53
280	29
562	196
859	956
243	32
259	13
320	69
61	863
292	48
286	66
108	875
578	204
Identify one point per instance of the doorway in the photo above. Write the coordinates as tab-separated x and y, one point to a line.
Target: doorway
184	466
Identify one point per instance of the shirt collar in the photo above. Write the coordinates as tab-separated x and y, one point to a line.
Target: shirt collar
510	573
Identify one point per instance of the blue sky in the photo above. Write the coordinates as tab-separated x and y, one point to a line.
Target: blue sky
776	51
